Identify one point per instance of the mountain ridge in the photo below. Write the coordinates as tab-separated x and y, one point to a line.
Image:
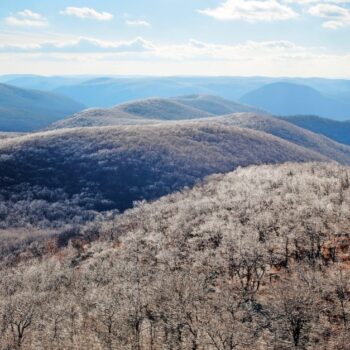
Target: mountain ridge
154	110
284	98
27	109
334	129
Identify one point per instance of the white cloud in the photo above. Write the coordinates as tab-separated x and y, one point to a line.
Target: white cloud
251	11
27	18
308	2
198	50
82	46
137	23
328	11
141	50
140	56
336	16
86	12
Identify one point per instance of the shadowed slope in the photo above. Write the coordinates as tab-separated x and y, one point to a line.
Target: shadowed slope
27	110
336	130
111	167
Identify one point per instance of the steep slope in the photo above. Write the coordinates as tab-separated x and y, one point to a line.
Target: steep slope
291	133
336	130
254	259
111	167
291	99
27	110
45	83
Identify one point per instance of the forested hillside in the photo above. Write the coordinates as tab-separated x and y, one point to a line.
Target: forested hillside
255	259
289	132
148	110
215	105
65	176
100	117
8	135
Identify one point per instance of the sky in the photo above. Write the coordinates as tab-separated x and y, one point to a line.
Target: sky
176	37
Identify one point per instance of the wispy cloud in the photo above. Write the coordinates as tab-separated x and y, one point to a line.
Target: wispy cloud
140	48
336	13
27	18
137	23
308	2
82	46
87	13
336	16
141	56
251	11
195	49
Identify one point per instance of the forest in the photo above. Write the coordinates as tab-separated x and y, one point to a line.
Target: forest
254	259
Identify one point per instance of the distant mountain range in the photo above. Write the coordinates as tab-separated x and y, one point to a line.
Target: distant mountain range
331	98
278	96
336	130
289	99
39	82
27	110
141	100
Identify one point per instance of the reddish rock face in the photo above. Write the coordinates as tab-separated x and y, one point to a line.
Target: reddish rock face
337	249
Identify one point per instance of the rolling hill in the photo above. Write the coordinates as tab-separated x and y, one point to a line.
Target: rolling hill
153	110
100	117
70	172
27	110
290	133
214	105
285	99
336	130
161	108
9	135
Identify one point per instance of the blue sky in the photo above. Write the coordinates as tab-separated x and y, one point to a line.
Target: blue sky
176	37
